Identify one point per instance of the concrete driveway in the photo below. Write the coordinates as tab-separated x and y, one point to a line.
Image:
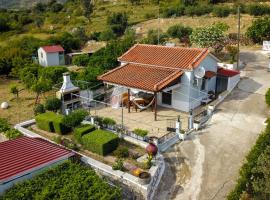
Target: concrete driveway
205	167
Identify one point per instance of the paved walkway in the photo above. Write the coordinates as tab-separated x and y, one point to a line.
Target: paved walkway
205	167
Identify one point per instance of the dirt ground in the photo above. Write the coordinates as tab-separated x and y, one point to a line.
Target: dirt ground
205	167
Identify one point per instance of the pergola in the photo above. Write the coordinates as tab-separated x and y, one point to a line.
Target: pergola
147	78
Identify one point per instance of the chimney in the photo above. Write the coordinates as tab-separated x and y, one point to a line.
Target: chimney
67	84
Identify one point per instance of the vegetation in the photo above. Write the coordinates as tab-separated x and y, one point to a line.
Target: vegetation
100	141
75	118
254	178
267	97
82	130
13	134
66	181
259	30
140	132
179	31
53	104
118	165
39	109
121	152
52	122
108	121
4	126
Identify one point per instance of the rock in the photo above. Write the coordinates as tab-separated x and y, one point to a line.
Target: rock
4	105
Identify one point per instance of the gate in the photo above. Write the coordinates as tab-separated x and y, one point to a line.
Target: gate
171	125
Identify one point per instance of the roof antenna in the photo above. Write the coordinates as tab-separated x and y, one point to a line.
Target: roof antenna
158	21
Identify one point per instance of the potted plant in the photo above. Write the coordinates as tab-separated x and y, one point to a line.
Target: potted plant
144	178
109	123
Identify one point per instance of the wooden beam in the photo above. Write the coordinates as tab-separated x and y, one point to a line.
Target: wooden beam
155	96
128	100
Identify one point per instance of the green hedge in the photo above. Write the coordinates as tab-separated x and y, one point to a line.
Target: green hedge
66	181
82	130
100	141
51	122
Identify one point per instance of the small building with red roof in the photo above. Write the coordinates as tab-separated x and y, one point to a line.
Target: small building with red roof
52	55
23	158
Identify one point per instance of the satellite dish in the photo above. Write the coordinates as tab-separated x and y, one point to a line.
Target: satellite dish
199	72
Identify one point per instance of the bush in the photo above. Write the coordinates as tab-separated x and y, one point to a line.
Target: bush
66	181
108	121
13	134
80	60
39	109
107	35
259	30
118	165
53	104
141	132
82	130
221	11
75	118
4	126
179	31
51	122
258	9
100	141
267	97
198	10
121	152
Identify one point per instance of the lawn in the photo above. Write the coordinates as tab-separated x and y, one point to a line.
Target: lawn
21	109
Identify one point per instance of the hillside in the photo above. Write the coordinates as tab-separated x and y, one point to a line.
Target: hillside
23	3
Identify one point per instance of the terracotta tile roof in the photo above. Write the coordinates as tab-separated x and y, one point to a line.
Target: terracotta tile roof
23	155
227	72
163	56
53	48
143	77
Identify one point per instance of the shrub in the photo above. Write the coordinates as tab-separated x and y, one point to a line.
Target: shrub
118	165
258	9
121	152
232	50
82	130
179	31
68	180
108	121
69	144
39	109
4	126
53	104
51	122
259	30
100	141
267	97
80	60
198	10
75	118
107	35
13	133
221	11
141	132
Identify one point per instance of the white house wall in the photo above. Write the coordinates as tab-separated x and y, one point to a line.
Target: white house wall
232	82
53	59
42	57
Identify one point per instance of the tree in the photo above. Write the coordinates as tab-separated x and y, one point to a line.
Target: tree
80	60
259	30
53	104
75	118
41	86
87	7
39	109
154	38
208	36
14	90
107	35
267	97
118	22
179	31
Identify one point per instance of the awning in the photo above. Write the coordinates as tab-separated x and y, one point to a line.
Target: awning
144	77
227	72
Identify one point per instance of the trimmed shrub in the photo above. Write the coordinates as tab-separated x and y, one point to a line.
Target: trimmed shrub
44	121
140	132
51	122
82	130
267	97
39	109
100	141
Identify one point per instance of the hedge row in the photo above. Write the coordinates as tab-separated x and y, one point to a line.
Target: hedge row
66	181
100	141
246	171
52	122
82	130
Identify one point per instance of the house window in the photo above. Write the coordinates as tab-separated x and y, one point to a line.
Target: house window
167	98
203	84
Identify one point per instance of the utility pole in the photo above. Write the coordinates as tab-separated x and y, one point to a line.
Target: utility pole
158	21
238	37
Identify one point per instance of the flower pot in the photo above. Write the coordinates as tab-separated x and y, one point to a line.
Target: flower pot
144	178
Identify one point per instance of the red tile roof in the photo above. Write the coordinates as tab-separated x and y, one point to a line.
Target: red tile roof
227	72
53	48
23	155
163	56
149	78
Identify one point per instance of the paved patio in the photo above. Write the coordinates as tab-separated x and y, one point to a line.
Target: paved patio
144	119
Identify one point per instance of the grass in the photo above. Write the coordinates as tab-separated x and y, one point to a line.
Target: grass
21	109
